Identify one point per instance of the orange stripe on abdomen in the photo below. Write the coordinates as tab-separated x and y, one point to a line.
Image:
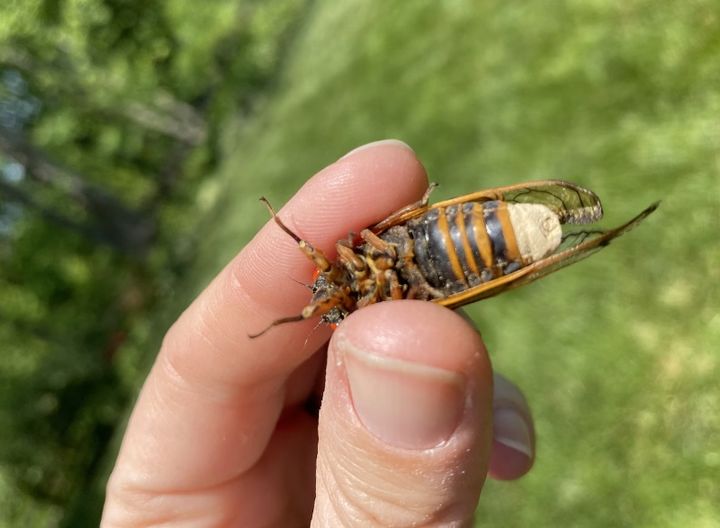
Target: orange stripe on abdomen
480	236
444	230
512	253
468	255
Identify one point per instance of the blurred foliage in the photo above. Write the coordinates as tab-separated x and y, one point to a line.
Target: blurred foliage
124	188
110	112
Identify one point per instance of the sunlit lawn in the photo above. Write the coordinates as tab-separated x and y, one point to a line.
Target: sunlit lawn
617	355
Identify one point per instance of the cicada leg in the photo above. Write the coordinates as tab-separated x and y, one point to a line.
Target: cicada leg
384	247
348	258
317	256
396	289
398	215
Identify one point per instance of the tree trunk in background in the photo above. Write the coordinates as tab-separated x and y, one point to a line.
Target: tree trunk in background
110	221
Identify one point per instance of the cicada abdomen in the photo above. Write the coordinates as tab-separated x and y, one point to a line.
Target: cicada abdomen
465	245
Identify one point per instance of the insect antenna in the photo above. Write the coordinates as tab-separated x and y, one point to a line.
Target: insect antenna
278	221
301	283
292	319
307	339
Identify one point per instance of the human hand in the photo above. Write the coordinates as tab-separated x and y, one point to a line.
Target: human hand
222	433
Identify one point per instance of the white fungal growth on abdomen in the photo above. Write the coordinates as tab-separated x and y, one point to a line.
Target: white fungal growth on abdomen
537	230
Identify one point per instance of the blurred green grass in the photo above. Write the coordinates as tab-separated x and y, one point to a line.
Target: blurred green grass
618	355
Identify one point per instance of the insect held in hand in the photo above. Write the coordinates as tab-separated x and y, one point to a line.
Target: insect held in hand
458	251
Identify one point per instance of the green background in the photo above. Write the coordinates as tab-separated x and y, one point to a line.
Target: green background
618	355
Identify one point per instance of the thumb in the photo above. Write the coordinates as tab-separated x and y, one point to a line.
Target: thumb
405	424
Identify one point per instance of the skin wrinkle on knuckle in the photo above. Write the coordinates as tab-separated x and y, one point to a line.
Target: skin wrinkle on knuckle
250	267
133	506
342	501
343	505
154	510
205	323
183	378
220	397
208	326
171	338
165	400
403	497
139	505
180	384
177	349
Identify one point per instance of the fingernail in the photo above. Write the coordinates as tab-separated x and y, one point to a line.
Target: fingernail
405	404
511	430
382	142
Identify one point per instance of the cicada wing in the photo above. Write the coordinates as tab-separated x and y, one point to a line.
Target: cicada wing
573	204
592	241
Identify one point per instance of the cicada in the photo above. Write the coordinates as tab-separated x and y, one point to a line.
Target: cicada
458	251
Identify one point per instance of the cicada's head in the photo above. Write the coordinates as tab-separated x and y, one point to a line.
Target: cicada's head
328	300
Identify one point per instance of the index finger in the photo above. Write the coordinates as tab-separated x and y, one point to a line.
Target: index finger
213	397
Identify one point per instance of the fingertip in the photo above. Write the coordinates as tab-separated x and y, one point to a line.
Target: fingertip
406	412
417	331
415	372
513	452
507	462
388	144
358	190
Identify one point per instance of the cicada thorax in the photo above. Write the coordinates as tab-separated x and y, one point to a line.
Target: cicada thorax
467	244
